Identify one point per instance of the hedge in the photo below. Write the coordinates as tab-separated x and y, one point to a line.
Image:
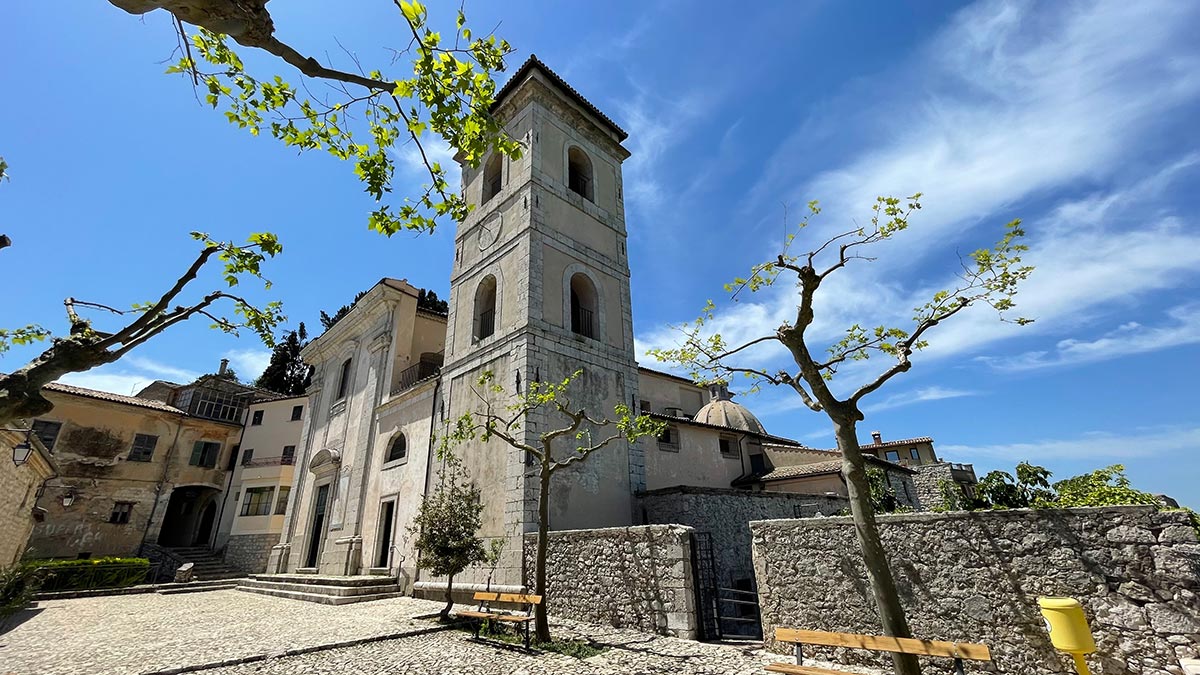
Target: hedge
73	575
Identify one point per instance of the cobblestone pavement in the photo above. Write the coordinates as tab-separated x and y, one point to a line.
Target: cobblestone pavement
151	633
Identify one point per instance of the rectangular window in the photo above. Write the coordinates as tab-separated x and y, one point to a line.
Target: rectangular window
297	413
729	446
344	383
912	452
257	501
281	501
120	513
289	455
143	447
204	453
644	405
669	438
256	420
892	455
247	456
47	431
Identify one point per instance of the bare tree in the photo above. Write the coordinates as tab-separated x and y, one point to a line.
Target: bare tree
553	450
86	347
989	276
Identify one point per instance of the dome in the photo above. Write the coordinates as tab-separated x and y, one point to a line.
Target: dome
723	412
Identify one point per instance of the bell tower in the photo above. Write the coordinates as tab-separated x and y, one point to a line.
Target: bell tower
540	289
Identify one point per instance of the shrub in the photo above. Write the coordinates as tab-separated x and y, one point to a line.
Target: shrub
18	583
73	575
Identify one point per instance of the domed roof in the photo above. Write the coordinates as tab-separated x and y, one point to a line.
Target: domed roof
723	412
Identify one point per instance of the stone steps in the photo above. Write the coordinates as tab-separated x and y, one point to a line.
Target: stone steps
326	590
206	565
321	589
198	587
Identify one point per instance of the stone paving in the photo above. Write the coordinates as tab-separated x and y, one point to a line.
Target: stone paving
153	633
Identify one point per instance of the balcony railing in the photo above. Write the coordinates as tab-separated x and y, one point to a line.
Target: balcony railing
410	376
487	324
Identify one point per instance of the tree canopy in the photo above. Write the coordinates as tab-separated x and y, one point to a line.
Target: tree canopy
287	373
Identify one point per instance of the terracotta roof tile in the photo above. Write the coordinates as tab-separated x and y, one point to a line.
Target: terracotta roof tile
113	398
534	62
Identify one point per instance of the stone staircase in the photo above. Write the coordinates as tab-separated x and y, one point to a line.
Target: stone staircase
327	590
206	565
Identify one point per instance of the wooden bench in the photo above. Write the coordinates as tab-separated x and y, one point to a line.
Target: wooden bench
881	643
485	613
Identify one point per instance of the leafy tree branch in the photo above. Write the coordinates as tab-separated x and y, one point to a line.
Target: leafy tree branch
85	347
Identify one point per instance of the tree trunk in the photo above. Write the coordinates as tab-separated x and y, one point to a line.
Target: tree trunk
21	390
883	585
540	624
445	614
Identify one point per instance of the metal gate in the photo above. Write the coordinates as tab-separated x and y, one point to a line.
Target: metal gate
737	608
704	575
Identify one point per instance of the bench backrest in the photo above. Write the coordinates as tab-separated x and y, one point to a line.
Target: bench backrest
511	598
954	650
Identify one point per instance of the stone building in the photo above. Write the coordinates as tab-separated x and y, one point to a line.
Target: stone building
251	513
539	289
131	470
25	466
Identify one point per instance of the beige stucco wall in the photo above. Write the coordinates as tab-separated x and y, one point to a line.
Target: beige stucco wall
92	451
18	494
696	462
267	440
812	485
663	392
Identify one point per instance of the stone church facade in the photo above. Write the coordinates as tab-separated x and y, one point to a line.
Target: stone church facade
540	288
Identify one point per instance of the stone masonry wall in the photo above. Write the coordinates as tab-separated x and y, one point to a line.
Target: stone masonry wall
250	552
976	577
636	577
726	515
928	481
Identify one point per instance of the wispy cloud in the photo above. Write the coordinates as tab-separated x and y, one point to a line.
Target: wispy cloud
1097	445
129	375
1129	338
1015	103
248	363
934	393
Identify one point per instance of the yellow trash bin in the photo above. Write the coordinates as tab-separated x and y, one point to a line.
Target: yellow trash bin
1068	629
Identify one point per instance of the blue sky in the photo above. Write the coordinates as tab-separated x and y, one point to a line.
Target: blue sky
1079	118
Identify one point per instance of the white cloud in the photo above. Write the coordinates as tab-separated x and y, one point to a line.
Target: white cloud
1093	445
128	376
248	363
934	393
1126	339
1015	103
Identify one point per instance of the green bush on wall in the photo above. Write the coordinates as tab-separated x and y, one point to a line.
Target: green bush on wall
74	575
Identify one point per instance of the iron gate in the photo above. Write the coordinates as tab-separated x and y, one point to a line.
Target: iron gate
705	577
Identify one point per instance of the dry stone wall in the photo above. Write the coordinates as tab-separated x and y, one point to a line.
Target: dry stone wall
634	577
726	515
976	577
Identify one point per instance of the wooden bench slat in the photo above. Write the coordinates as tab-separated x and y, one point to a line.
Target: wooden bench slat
960	650
473	614
514	598
802	670
512	618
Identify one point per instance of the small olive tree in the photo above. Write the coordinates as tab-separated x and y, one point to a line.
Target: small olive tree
990	277
578	437
445	527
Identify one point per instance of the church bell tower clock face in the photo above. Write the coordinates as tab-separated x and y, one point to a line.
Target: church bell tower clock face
489	230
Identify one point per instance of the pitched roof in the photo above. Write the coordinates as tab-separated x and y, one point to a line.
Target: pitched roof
671	376
113	398
534	62
776	440
892	444
831	466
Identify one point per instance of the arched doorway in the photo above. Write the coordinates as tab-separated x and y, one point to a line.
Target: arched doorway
190	517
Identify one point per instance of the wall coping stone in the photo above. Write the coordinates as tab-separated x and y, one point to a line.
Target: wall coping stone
1002	514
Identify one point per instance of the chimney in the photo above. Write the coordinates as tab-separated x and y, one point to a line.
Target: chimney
876	437
224	367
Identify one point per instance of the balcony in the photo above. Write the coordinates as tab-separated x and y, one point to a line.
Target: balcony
282	460
410	376
963	473
581	321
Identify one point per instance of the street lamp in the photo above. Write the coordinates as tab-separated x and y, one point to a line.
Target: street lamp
22	450
68	498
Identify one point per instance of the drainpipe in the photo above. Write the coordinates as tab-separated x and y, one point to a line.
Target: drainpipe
162	480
